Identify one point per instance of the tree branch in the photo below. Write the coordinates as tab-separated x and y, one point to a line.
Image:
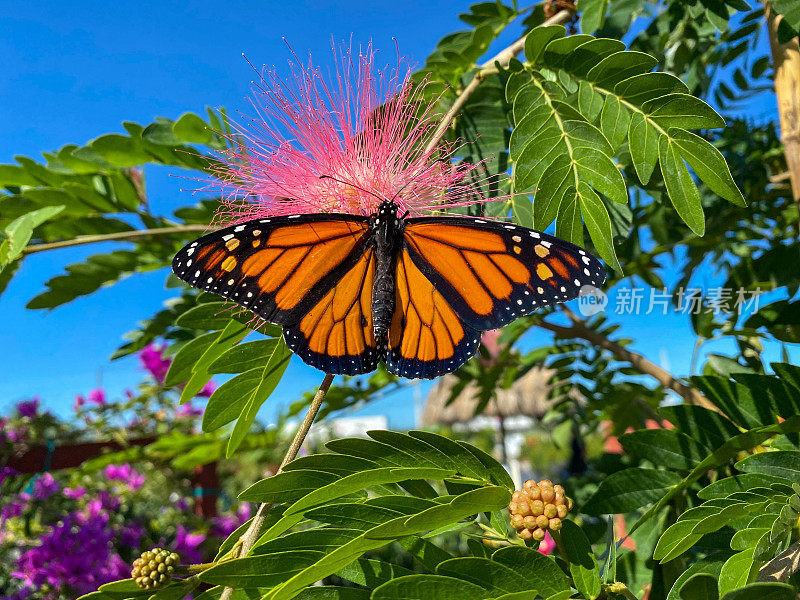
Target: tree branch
579	329
786	62
115	237
503	58
248	540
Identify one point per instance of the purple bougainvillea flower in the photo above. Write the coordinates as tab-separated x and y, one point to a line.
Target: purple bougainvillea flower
207	390
98	396
76	493
153	361
6	472
188	545
126	474
45	486
187	410
28	408
318	143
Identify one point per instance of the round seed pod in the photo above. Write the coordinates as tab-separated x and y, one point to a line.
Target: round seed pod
530	522
561	511
525	534
548	495
537	508
154	568
523	508
542	521
538	534
554	524
550	511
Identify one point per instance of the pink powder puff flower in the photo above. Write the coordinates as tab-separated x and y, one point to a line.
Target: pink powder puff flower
547	545
79	402
339	144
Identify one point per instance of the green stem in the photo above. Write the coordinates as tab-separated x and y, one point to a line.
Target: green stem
120	236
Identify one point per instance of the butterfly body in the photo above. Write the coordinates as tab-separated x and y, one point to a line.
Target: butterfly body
352	291
387	228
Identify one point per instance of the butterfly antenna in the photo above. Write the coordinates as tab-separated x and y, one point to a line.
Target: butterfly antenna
358	187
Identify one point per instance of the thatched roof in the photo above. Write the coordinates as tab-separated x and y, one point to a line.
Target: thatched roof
528	397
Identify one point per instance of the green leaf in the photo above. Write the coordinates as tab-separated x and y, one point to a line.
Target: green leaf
614	121
538	571
490	575
180	370
680	186
228	400
332	592
425	587
232	334
763	591
362	480
664	447
539	37
271	374
643	145
709	165
598	223
480	500
682	110
372	573
593	14
124	588
260	571
18	233
582	562
676	540
191	128
120	150
737	571
244	356
700	586
701	424
780	463
629	489
208	315
287	486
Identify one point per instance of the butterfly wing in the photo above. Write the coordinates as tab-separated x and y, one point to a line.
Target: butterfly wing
427	338
336	334
280	268
491	273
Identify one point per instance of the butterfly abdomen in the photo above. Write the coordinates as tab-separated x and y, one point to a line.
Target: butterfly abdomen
387	238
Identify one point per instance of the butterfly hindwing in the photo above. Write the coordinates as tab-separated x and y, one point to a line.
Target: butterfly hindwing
426	338
279	267
336	335
491	272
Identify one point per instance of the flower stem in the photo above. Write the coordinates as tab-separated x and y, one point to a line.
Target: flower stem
248	540
193	569
502	58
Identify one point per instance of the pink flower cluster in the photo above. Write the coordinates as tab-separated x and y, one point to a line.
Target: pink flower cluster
340	144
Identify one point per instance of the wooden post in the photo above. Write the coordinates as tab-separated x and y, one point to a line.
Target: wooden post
786	62
39	457
206	490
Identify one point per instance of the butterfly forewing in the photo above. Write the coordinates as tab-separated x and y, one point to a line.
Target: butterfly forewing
491	273
279	268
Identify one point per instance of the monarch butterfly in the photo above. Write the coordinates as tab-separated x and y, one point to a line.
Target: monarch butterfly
416	293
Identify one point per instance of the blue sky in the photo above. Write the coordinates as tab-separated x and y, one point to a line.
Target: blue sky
73	71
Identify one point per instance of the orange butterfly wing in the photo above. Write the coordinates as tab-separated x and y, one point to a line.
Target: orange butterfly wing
336	335
279	267
492	273
427	338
